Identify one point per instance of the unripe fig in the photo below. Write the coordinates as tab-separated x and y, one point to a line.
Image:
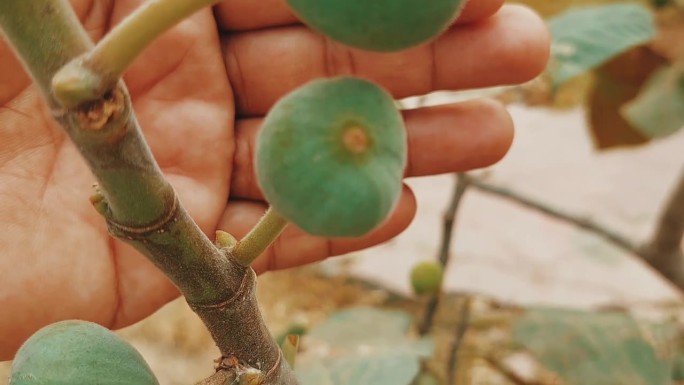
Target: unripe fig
78	352
426	277
378	25
330	156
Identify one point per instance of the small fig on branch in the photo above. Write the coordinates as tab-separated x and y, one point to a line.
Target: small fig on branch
78	352
378	25
330	156
426	277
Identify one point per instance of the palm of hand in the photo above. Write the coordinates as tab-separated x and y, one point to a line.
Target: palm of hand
56	250
57	247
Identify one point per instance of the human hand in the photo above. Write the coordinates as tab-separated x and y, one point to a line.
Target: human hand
200	107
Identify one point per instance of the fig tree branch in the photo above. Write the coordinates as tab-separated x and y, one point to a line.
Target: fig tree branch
664	251
459	336
506	372
670	229
585	223
139	205
445	249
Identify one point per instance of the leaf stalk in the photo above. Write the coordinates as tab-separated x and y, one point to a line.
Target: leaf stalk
259	238
89	76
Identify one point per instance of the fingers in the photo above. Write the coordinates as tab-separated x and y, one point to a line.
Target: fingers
295	247
457	137
510	47
230	14
441	139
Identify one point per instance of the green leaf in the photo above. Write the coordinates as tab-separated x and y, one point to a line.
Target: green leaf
586	348
363	325
362	346
314	373
658	111
678	367
584	38
390	368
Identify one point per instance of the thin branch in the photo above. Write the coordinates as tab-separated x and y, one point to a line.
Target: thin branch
670	230
664	252
582	222
461	328
88	77
444	252
510	375
460	188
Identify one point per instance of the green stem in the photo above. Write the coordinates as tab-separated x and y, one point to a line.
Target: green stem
259	238
91	75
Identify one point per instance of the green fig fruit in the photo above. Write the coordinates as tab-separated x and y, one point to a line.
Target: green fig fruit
330	156
78	352
378	25
426	277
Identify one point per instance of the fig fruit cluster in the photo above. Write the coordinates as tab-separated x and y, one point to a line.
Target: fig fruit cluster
378	25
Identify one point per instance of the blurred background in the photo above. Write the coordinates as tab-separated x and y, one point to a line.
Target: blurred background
548	248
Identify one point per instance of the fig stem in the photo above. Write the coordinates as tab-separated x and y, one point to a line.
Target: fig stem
90	75
259	238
